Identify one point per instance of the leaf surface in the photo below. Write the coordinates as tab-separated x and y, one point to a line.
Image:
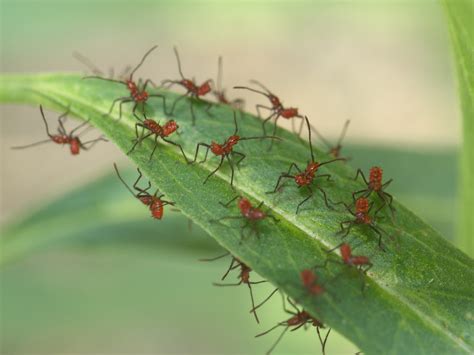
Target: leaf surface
418	295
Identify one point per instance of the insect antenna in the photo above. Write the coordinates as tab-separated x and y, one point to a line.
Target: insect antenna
235	124
93	141
332	161
124	72
142	61
343	133
123	181
220	284
80	126
40	142
88	63
320	136
32	144
105	79
219	74
215	258
261	137
251	89
45	122
258	83
309	138
179	62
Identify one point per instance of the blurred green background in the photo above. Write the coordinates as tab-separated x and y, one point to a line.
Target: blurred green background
135	285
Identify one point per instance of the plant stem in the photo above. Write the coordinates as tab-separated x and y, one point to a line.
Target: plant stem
459	16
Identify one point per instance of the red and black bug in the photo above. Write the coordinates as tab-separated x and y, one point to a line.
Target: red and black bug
376	185
220	94
277	109
138	93
309	279
122	76
225	150
360	262
192	89
162	132
154	202
244	277
362	217
334	150
65	138
305	178
298	319
357	261
250	214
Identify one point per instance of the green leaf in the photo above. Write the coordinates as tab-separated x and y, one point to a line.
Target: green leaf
101	213
418	294
459	14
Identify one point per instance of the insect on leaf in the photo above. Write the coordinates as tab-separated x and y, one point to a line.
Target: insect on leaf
418	295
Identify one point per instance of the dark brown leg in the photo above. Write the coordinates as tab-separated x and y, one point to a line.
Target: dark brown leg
306	199
180	148
215	170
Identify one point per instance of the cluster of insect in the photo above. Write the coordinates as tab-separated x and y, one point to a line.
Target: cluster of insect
365	209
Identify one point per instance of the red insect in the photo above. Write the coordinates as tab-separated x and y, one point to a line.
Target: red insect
334	150
375	185
220	93
192	89
361	263
354	260
138	93
347	258
162	132
225	150
309	280
244	277
298	319
252	215
64	138
277	109
305	178
362	217
154	202
122	76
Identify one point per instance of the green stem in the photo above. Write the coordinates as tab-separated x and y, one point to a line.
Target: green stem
459	15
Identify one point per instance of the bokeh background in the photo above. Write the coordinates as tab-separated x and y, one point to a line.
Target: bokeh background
386	65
